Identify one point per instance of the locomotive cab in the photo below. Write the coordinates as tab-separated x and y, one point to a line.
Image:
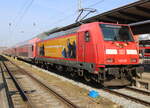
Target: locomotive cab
121	56
119	46
114	52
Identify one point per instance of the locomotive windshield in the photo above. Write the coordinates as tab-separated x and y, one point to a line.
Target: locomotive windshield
116	32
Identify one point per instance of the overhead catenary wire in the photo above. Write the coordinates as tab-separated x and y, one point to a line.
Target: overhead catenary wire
18	18
96	3
68	16
59	20
11	24
14	19
64	18
79	3
24	12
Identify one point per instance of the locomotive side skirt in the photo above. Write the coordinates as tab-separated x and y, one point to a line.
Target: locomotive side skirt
76	64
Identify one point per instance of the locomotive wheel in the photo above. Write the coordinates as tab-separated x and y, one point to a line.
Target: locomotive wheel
59	68
72	74
87	77
47	67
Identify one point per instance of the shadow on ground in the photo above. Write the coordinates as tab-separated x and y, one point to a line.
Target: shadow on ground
2	58
147	68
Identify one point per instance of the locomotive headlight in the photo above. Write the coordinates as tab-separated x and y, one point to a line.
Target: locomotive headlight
110	60
125	44
131	51
133	60
111	51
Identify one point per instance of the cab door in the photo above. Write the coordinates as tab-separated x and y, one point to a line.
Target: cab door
80	47
85	48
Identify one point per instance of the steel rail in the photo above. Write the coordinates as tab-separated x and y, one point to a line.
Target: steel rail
19	88
63	99
138	90
128	97
9	99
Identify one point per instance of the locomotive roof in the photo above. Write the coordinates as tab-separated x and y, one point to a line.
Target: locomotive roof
46	34
61	33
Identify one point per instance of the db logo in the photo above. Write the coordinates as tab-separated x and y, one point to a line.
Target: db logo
121	51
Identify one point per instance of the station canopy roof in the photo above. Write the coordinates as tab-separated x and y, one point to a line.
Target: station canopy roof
130	14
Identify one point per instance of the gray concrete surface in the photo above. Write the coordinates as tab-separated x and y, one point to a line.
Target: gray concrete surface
3	98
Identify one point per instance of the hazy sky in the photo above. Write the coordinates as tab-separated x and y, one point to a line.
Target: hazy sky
21	20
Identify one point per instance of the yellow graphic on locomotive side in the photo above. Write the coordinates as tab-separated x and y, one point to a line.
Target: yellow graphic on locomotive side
61	47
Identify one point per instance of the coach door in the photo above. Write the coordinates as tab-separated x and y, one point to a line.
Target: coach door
30	51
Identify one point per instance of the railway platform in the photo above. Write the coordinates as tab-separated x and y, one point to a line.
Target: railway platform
144	81
146	76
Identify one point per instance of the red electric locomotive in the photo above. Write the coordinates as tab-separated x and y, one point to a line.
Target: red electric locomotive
104	52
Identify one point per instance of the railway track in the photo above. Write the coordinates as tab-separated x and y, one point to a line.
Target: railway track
132	94
27	97
121	93
11	101
145	92
130	97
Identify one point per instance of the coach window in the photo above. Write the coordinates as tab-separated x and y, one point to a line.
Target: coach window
147	50
87	36
32	47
